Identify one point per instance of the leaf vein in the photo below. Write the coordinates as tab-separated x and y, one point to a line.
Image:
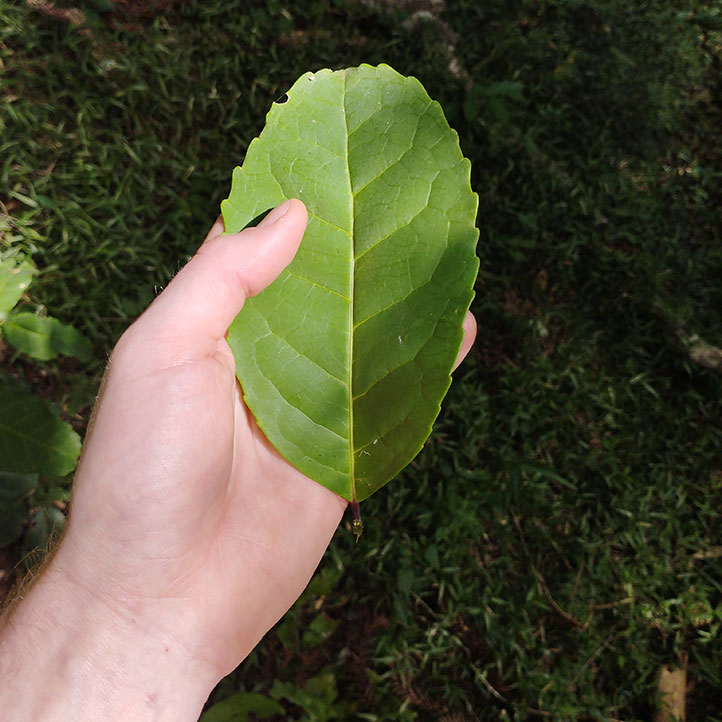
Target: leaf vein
394	162
34	441
376	111
396	302
327	222
301	411
320	285
303	355
398	228
404	363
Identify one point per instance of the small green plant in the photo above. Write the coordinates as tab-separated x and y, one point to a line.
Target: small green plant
40	337
37	448
239	706
318	698
306	627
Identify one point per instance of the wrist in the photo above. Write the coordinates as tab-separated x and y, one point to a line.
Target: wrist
67	654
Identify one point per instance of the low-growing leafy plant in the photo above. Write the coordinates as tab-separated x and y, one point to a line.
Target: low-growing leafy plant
239	706
41	337
318	698
36	446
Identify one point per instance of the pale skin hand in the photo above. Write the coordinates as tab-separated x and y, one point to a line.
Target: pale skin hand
189	536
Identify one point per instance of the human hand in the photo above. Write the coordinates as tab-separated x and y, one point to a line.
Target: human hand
182	511
189	536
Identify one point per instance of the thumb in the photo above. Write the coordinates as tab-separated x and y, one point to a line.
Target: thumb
202	300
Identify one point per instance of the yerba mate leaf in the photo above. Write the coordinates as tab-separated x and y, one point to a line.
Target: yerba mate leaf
344	360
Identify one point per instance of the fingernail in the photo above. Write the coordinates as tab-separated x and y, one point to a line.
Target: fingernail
275	215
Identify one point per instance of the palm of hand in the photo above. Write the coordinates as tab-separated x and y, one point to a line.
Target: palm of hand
181	507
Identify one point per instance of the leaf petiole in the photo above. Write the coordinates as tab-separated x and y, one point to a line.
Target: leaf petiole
357	526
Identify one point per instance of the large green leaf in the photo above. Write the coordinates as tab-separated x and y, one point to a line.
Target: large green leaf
14	490
345	358
14	279
44	338
33	438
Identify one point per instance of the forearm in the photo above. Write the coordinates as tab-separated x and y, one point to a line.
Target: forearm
65	655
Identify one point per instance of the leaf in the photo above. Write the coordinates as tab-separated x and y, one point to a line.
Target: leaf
45	338
237	707
345	358
318	698
32	438
14	280
14	489
320	628
45	523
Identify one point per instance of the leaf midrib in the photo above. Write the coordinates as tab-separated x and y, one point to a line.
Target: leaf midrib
351	329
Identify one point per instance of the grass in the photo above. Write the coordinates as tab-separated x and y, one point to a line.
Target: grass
558	539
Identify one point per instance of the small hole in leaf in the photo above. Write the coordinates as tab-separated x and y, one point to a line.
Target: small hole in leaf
282	99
